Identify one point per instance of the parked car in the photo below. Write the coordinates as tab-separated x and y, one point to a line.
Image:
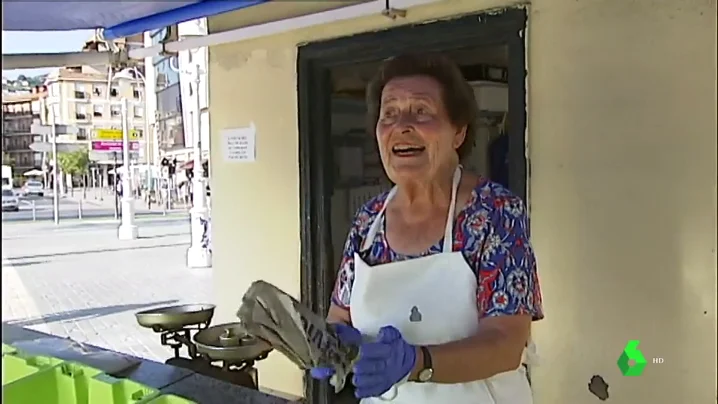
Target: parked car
10	201
33	188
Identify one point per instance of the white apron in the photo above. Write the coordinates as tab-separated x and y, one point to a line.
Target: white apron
431	300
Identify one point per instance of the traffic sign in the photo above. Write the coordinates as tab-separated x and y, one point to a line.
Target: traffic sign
113	146
115	134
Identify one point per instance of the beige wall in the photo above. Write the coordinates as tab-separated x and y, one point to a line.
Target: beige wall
622	134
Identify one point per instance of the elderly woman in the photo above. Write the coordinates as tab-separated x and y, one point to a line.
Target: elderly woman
438	280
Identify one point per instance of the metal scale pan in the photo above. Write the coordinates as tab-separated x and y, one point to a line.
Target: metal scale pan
173	318
230	343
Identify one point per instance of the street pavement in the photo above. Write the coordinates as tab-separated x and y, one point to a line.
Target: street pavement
77	280
95	204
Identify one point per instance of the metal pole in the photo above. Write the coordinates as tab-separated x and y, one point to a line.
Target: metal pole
198	256
127	230
79	209
34	214
55	169
114	180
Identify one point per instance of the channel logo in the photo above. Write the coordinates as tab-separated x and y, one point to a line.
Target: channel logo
632	362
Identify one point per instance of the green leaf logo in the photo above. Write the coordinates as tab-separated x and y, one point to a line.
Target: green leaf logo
631	362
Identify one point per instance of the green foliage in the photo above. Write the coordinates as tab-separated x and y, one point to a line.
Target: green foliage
6	159
74	163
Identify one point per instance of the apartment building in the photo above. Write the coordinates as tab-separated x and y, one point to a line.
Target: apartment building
83	97
20	111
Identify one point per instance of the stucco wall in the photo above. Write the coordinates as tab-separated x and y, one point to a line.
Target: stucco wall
622	142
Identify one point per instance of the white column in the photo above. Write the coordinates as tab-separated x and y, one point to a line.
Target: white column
127	229
198	255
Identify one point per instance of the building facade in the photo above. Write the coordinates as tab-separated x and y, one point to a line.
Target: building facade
175	100
616	104
20	111
83	97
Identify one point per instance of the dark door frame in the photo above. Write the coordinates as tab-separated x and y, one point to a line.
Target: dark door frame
314	62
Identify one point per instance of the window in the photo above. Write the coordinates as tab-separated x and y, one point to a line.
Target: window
98	111
115	110
169	101
165	73
97	90
81	112
80	91
191	92
81	133
115	91
139	111
136	93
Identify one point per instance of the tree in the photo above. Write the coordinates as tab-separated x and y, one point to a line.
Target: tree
75	163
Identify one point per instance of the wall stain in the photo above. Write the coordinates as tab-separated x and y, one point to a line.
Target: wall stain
598	387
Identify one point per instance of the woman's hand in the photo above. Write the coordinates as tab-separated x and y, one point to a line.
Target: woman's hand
383	363
347	335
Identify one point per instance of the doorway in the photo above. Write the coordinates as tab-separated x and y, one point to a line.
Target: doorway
339	163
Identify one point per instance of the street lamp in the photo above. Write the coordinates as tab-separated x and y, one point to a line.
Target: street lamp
147	136
128	229
55	169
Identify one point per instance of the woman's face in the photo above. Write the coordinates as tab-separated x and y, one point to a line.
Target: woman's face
415	136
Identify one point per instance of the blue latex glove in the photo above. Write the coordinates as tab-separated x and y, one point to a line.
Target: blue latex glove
347	335
383	363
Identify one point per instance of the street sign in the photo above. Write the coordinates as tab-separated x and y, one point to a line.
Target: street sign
105	156
37	129
45	147
115	134
113	146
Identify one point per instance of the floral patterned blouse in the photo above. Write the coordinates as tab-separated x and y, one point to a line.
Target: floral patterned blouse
492	233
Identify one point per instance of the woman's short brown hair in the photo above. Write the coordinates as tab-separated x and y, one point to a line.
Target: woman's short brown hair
458	96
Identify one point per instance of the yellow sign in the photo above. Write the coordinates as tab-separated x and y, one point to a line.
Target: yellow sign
116	134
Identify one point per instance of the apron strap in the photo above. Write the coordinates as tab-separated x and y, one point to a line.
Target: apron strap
369	240
448	231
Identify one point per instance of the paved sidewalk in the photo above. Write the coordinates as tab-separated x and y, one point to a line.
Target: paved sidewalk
87	285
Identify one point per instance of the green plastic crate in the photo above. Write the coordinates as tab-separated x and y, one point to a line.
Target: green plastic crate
66	383
169	399
17	365
105	389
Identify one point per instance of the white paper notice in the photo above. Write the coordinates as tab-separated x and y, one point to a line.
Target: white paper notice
239	144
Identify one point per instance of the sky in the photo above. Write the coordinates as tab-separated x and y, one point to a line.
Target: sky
41	42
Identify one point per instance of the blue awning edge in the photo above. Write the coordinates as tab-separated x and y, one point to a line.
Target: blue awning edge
205	8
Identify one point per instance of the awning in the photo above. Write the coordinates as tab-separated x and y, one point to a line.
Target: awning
118	18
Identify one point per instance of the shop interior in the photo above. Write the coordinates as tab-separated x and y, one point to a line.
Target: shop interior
358	174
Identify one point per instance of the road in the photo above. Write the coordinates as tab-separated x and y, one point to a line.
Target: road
92	207
77	280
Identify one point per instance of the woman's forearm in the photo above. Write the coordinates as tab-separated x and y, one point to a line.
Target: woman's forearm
338	315
479	357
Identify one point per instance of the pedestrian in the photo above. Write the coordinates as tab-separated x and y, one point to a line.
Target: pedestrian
438	272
